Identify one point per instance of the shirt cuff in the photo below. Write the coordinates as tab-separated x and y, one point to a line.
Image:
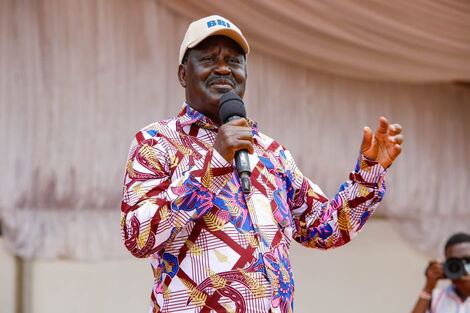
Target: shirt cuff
368	172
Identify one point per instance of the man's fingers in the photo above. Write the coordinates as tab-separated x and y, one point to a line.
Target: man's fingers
238	132
243	144
433	265
398	139
233	136
238	122
435	269
383	126
366	139
394	129
248	137
395	152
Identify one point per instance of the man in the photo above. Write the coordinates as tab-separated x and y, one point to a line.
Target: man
455	297
212	247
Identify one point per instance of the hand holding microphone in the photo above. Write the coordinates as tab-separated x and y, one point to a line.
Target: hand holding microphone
234	138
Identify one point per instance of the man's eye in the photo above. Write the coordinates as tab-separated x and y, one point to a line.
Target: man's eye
207	59
234	60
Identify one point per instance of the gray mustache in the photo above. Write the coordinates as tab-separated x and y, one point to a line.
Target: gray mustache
221	79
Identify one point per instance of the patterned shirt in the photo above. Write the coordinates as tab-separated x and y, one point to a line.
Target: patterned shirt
446	300
213	248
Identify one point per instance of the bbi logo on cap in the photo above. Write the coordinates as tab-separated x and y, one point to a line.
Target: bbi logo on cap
218	22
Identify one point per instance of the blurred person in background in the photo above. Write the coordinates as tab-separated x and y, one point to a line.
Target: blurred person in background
454	297
212	247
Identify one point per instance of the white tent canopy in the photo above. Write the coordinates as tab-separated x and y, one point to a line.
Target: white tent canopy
79	78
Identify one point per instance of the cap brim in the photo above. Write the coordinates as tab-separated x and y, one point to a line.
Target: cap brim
230	33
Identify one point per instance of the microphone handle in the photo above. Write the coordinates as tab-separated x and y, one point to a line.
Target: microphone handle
243	164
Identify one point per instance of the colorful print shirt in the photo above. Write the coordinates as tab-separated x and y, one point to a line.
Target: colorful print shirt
213	248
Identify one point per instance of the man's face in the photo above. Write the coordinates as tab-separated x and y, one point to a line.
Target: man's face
460	250
214	67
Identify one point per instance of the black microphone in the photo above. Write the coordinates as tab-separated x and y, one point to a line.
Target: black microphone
231	107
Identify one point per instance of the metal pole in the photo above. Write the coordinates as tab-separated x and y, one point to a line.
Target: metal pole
22	282
19	284
24	272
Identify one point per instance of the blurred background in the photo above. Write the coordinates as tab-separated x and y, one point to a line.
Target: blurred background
79	78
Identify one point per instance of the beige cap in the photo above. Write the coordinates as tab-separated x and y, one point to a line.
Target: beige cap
211	26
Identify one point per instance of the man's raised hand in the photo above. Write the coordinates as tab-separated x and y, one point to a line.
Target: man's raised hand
384	145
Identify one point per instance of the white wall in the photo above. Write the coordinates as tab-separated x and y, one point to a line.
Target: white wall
376	272
73	287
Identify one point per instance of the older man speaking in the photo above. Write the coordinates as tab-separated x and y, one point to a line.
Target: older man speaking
212	247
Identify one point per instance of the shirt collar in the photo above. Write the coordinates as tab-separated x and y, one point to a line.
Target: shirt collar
453	293
189	116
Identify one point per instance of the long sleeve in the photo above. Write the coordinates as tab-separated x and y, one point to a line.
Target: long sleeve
319	222
166	186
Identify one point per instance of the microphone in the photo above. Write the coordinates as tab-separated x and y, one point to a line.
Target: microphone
231	107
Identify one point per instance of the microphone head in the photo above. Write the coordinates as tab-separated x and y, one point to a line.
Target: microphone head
230	104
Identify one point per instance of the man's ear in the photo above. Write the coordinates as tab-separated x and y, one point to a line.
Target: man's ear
182	75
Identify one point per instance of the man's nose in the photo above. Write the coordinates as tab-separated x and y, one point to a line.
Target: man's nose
222	68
